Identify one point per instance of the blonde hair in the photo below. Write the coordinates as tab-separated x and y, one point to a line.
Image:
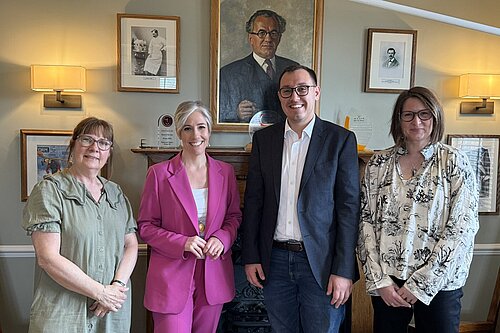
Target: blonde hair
185	109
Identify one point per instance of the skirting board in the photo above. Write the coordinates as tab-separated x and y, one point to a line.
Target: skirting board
27	251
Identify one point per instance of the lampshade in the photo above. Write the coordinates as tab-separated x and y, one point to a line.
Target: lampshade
57	78
479	86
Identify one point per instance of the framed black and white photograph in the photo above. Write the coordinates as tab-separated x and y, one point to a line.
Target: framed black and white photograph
390	60
43	152
483	153
242	83
148	53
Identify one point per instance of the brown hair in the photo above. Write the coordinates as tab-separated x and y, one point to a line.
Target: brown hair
430	100
92	125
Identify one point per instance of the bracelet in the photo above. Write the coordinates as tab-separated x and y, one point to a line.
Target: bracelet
119	282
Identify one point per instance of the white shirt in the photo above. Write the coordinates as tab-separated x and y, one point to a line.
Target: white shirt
294	157
201	198
262	62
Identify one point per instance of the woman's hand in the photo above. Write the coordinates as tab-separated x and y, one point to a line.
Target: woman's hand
391	297
407	295
214	248
195	245
98	309
111	298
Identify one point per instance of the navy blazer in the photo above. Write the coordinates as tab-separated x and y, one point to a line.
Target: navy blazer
328	200
245	79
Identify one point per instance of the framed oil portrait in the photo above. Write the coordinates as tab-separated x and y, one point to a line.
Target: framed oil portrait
148	53
390	60
43	152
244	34
483	153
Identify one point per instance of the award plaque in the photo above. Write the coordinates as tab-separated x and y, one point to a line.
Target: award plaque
166	132
361	125
260	120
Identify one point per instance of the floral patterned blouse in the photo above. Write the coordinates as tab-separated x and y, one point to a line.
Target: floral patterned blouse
422	229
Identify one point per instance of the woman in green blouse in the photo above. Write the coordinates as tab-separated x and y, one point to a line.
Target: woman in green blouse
83	232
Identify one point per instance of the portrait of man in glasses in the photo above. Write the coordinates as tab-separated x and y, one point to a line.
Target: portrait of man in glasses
250	84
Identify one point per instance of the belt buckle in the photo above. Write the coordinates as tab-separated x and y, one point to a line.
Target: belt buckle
295	246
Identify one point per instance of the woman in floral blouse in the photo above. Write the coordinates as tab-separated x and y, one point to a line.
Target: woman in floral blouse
418	221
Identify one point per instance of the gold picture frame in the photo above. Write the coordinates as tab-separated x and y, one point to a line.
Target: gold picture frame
229	41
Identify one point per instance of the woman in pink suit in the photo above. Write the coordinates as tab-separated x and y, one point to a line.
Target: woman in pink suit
189	216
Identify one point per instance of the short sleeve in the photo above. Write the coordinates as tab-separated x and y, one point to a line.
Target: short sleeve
43	209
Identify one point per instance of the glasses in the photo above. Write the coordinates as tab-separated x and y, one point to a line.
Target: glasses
87	141
408	116
299	90
263	33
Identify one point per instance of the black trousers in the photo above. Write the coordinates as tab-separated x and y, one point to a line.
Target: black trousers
442	315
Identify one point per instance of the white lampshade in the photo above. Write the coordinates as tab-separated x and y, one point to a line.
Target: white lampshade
57	78
479	86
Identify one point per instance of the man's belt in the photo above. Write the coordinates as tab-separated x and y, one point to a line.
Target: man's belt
294	246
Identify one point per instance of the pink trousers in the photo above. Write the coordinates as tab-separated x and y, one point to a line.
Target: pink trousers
197	317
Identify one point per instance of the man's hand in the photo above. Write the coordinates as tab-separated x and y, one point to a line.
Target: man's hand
340	288
246	109
391	296
255	274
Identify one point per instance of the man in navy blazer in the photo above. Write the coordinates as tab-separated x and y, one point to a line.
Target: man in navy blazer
301	212
250	84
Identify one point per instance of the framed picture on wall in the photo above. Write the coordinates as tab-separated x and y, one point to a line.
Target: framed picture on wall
43	152
483	153
241	84
148	53
390	60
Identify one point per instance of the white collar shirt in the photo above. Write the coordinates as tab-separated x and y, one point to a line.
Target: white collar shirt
262	62
294	157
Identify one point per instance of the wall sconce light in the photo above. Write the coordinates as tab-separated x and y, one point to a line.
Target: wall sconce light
482	86
59	79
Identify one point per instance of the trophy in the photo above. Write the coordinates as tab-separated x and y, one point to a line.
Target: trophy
260	120
167	137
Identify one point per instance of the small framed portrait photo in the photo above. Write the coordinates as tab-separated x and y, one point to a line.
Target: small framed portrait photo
390	60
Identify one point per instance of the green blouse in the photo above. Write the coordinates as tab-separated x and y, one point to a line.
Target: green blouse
92	237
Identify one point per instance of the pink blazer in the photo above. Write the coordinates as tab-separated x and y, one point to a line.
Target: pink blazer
168	216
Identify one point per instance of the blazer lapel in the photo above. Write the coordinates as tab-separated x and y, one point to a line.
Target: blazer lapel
315	147
182	189
216	183
277	156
